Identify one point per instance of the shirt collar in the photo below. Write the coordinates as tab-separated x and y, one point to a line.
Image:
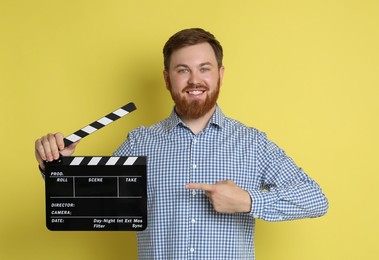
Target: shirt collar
217	119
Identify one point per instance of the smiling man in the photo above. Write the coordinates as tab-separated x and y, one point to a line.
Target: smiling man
209	176
193	79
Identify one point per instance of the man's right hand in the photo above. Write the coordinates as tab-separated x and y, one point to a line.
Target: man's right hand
50	147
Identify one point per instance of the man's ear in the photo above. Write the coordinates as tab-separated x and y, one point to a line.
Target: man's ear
221	73
166	78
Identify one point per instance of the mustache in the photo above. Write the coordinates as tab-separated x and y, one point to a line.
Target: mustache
195	86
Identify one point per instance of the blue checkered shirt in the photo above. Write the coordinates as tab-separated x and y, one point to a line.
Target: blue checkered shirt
182	223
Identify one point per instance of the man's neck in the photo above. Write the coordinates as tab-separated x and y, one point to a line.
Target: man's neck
198	124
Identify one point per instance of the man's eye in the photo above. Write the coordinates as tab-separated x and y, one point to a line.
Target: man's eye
181	71
205	69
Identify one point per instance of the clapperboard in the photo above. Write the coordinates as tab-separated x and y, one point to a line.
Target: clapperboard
97	193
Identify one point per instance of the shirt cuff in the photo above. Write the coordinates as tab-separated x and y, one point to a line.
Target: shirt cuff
258	203
42	172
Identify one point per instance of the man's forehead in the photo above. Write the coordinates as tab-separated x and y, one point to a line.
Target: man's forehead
200	54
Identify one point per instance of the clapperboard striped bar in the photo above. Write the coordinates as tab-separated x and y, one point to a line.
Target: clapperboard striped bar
106	120
102	160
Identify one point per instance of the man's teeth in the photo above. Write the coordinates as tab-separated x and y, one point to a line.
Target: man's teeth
195	92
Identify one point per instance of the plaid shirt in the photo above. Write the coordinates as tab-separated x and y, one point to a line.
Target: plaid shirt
182	223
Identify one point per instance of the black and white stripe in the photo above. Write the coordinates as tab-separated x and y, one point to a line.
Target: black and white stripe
89	129
103	160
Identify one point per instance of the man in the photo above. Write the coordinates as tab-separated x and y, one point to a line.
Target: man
209	176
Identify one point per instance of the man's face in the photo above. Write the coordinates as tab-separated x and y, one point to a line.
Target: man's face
194	80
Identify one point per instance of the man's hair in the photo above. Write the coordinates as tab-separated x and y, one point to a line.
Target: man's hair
188	37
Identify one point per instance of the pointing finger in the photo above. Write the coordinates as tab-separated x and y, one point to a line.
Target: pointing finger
200	186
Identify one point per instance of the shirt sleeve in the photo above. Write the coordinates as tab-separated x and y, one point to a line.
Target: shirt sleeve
42	172
287	192
126	148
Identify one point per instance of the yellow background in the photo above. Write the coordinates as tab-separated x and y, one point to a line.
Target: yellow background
305	72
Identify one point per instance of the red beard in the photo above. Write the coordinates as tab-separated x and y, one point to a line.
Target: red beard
196	108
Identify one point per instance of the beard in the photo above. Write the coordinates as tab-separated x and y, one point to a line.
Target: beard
196	108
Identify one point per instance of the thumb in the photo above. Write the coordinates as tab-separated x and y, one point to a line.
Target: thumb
69	150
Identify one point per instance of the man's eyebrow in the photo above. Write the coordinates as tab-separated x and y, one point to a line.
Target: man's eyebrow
201	65
206	63
181	65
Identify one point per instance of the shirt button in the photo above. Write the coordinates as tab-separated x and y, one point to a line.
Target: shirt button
192	250
194	166
193	221
193	192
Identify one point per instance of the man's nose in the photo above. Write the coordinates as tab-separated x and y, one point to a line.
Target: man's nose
194	78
